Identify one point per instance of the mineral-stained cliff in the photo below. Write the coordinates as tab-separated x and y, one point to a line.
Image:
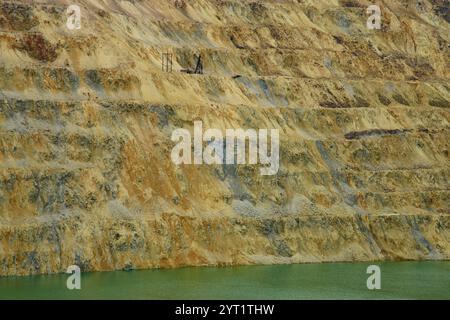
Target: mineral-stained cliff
86	118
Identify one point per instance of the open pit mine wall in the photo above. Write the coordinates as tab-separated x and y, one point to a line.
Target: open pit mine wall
87	115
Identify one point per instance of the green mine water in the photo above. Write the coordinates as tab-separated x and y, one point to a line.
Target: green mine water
399	280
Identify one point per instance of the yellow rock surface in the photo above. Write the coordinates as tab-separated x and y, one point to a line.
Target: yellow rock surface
86	118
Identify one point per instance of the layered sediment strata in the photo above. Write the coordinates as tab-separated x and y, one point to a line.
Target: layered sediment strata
86	118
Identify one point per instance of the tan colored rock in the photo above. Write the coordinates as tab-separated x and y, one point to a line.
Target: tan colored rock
86	118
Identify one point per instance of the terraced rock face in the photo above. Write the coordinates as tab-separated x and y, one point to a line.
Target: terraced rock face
86	118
